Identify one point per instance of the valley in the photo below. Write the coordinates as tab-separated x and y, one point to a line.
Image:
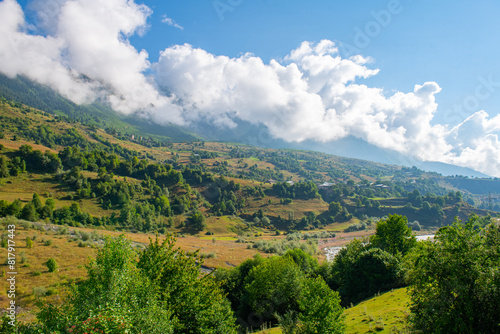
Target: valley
68	186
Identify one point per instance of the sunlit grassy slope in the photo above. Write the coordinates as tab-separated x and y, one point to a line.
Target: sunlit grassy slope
381	314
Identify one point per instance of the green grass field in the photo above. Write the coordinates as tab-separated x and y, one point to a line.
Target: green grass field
381	314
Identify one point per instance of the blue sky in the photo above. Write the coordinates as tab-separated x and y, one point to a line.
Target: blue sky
404	75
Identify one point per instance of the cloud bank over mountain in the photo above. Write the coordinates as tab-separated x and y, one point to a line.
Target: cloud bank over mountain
81	49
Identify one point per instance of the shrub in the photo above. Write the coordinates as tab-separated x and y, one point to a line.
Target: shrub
51	265
281	246
356	227
27	225
24	259
40	291
210	255
29	242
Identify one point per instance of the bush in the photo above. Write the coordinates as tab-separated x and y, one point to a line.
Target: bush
29	242
198	221
356	227
277	289
27	225
415	226
211	255
281	246
24	258
40	291
51	265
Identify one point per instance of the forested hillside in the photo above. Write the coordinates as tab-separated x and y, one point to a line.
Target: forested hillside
147	186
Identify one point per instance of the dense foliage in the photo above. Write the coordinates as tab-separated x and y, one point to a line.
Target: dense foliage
393	235
283	287
455	281
162	293
360	270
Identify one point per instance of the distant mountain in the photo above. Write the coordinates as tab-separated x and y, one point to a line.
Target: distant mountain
350	147
447	169
27	92
357	148
41	97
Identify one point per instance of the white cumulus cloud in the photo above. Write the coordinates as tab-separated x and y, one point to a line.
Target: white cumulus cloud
86	56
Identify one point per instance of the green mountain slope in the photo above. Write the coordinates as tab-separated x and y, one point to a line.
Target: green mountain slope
43	98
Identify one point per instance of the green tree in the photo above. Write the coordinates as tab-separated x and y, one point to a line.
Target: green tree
440	200
36	201
15	208
29	242
198	303
163	204
359	271
334	208
29	212
233	280
393	235
455	281
306	262
198	221
51	263
320	310
116	289
272	287
4	167
50	203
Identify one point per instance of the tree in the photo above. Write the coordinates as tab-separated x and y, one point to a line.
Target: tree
393	235
455	281
306	262
198	221
334	208
163	204
359	271
4	167
320	310
440	201
51	263
233	280
197	302
272	287
50	203
29	242
29	212
15	208
36	201
117	290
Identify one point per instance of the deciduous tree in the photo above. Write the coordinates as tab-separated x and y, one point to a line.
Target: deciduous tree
455	281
